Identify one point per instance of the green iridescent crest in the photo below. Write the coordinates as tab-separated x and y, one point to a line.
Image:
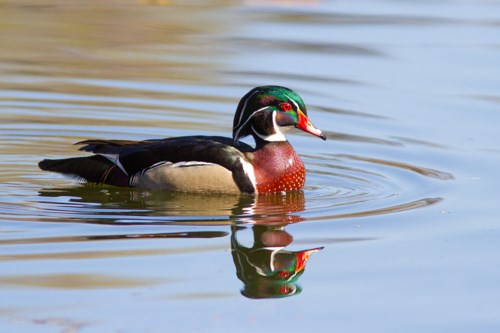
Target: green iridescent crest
257	106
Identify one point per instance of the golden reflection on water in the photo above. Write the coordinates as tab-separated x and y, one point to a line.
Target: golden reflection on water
75	239
76	281
75	70
105	39
108	254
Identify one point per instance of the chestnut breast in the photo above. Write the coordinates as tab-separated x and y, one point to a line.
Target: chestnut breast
278	168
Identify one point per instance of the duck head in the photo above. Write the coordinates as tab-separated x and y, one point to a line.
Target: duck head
266	112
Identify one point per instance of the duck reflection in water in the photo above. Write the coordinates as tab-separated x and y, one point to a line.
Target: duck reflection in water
266	268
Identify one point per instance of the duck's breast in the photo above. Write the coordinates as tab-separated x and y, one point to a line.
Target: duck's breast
278	168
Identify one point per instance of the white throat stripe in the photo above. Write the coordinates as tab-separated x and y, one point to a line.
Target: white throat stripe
276	136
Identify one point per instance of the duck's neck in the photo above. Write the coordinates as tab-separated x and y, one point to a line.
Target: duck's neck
277	167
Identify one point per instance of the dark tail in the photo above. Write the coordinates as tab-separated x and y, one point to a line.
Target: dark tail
93	169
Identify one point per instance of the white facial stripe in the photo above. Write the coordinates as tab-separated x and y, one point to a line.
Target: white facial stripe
293	101
242	126
245	106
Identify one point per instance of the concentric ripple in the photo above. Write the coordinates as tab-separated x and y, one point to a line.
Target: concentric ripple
353	186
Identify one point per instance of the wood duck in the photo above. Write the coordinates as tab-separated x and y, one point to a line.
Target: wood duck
207	163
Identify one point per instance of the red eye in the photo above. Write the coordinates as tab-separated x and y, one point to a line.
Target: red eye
283	274
286	107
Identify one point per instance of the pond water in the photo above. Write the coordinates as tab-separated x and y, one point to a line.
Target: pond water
400	211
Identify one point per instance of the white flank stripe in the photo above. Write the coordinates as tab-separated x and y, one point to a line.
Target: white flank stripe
250	172
181	164
190	163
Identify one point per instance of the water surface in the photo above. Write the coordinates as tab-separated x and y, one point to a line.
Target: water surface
396	229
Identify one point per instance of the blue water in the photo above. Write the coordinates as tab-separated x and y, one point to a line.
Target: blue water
401	197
